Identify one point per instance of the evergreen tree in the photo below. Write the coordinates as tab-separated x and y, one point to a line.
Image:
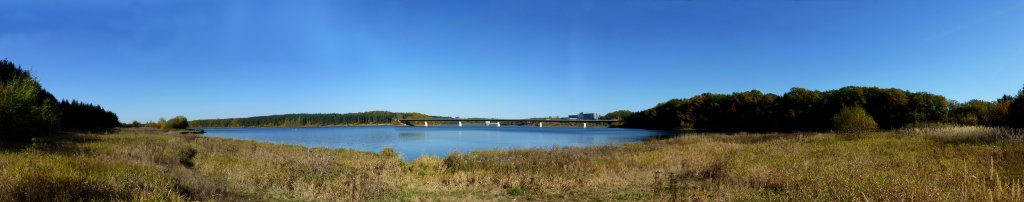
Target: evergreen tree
26	109
1015	111
83	116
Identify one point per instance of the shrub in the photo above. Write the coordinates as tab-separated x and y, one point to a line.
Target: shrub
389	152
158	124
853	120
26	109
178	122
456	161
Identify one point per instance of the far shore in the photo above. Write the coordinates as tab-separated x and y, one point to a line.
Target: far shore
363	125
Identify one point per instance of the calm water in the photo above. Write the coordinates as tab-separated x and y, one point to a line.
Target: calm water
412	142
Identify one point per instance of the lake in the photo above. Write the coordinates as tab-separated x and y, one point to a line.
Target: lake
412	142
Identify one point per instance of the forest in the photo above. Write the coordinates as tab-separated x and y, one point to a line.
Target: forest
77	115
808	110
300	120
28	111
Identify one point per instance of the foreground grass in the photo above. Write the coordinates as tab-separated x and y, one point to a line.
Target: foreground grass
155	165
935	164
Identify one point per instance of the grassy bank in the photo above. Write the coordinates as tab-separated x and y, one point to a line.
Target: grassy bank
157	165
945	164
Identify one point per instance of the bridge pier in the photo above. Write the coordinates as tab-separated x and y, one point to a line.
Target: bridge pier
488	123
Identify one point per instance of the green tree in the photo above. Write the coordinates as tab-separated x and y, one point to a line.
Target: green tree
77	115
617	115
853	120
295	120
178	122
799	109
26	109
802	109
160	123
1015	111
974	112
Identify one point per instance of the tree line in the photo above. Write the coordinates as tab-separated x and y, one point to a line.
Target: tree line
28	111
84	116
809	110
178	122
301	120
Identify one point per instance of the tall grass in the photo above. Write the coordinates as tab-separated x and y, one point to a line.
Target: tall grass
926	164
967	134
153	165
880	166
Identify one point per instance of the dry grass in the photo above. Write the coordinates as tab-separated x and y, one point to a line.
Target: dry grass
931	164
154	165
815	167
967	134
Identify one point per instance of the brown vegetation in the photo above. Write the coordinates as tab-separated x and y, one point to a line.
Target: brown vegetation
939	163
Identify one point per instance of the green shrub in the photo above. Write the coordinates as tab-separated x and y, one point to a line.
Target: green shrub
853	120
178	122
26	109
515	191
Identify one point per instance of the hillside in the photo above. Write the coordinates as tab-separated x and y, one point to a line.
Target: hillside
311	120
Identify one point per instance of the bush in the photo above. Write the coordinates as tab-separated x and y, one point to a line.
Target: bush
389	152
456	161
26	109
853	120
178	122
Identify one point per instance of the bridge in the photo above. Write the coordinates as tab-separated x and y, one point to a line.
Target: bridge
497	122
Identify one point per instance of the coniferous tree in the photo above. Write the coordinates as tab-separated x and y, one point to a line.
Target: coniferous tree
26	109
83	116
1015	111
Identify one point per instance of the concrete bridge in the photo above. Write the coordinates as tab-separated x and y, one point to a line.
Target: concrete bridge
497	122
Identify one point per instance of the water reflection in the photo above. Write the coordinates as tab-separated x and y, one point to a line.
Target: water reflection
411	135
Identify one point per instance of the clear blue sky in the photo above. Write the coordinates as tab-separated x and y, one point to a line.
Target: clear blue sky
503	58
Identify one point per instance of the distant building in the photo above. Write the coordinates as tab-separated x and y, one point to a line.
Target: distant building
583	116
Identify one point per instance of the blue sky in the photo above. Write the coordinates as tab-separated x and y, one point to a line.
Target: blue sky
503	58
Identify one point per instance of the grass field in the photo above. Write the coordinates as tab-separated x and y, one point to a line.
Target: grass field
931	164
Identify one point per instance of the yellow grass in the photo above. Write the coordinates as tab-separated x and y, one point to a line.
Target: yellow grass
930	164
